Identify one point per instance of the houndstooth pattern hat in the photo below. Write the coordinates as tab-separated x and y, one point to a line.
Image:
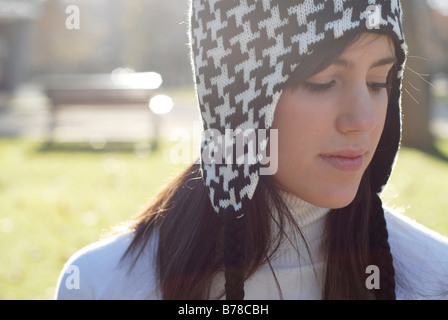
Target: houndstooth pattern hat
243	53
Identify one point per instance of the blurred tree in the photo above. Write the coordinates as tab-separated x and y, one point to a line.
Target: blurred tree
425	59
56	49
15	21
143	35
416	97
157	34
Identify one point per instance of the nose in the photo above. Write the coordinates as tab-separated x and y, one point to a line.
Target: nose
358	112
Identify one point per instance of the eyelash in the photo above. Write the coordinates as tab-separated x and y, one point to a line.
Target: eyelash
377	87
317	87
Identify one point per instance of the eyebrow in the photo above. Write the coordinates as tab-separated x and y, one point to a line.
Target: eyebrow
350	65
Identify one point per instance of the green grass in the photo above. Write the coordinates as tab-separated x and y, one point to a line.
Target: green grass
419	186
52	203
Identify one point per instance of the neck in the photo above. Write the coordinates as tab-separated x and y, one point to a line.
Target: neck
304	243
304	212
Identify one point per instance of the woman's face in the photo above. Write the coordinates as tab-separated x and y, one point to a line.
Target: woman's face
330	125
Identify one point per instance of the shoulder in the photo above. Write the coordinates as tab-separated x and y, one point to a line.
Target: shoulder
420	258
99	271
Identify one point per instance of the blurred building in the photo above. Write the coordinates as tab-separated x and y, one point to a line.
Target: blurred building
15	22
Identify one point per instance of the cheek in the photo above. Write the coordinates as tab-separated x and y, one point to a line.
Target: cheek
302	127
302	115
381	107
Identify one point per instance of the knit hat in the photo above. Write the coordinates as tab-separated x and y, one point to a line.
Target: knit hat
243	53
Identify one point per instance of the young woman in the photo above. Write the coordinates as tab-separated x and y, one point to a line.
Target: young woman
300	217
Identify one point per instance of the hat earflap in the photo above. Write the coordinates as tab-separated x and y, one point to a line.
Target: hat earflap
234	256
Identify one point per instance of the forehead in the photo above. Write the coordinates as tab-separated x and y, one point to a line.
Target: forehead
371	43
370	49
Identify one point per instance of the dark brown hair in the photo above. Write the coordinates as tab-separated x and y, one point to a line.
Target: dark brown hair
190	233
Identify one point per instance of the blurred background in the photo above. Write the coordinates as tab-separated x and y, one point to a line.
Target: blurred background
97	103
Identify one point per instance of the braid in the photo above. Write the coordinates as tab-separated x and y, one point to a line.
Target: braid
380	251
234	256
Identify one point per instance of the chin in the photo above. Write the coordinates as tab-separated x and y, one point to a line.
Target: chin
338	203
339	195
334	195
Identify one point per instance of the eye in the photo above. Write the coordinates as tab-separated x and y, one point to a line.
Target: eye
318	87
376	87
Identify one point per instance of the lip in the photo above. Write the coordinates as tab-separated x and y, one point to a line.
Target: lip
346	160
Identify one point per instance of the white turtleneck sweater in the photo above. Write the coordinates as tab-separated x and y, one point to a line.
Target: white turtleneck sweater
420	257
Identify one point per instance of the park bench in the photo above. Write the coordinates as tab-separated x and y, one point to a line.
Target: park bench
122	90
